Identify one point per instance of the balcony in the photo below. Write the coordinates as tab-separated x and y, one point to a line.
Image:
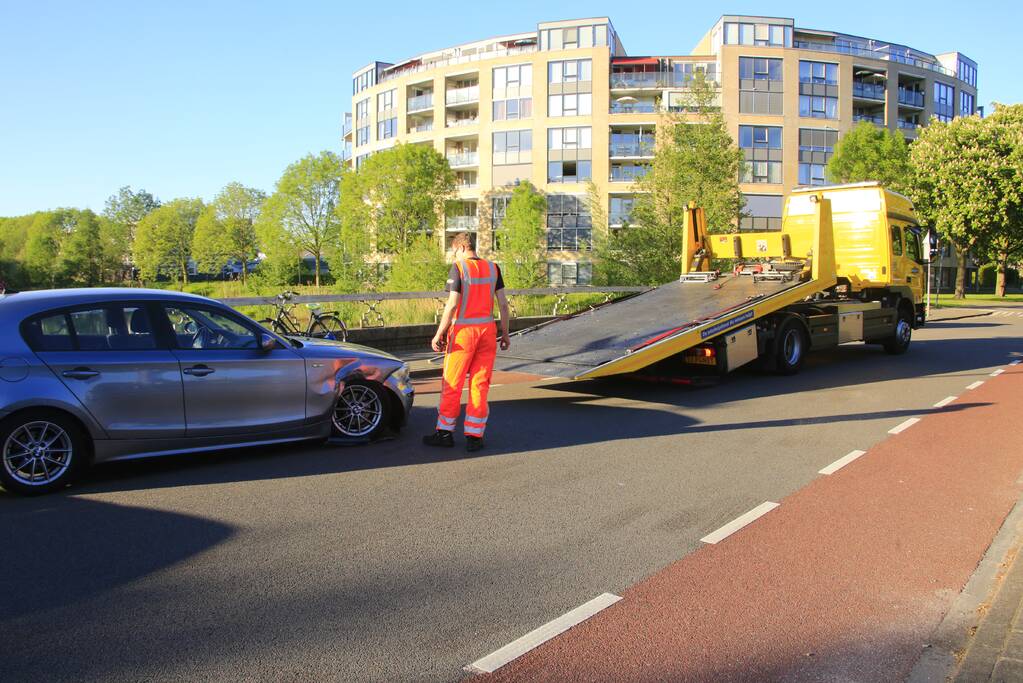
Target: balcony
633	107
640	80
415	66
468	95
420	103
911	98
420	127
883	53
455	123
876	120
627	174
869	91
639	148
907	125
462	223
463	159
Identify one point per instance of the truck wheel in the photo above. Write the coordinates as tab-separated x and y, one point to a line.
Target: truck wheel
898	343
790	344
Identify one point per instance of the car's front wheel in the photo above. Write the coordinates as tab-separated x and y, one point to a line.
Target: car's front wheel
40	451
363	410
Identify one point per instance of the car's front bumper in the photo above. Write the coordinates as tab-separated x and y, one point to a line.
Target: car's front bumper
400	383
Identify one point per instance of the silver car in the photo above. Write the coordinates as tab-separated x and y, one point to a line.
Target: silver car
89	375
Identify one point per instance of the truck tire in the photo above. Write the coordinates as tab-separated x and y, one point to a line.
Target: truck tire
898	343
790	346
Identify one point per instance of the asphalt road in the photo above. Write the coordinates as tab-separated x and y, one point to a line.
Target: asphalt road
392	562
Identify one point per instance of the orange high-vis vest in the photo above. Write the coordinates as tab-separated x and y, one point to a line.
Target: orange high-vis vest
479	277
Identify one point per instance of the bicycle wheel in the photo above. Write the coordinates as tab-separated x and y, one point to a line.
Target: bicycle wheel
328	326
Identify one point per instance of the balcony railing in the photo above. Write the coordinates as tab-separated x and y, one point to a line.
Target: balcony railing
883	53
876	120
463	95
633	107
870	91
454	123
462	223
420	102
421	127
628	173
907	125
632	149
464	159
912	98
462	59
655	79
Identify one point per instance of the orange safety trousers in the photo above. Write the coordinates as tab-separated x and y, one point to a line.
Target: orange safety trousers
471	349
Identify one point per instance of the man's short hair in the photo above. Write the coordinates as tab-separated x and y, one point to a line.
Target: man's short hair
465	240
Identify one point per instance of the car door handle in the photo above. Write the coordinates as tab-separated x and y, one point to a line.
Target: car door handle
199	371
80	373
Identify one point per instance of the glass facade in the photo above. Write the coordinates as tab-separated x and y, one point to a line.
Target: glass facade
760	86
569	225
967	73
966	103
572	104
570	71
944	101
512	93
572	37
762	150
741	33
513	147
816	145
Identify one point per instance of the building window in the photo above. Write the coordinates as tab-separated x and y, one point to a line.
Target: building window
684	73
359	160
944	101
762	212
513	147
574	104
572	37
498	211
968	73
620	213
571	71
966	103
512	92
510	110
569	138
362	122
363	81
577	171
362	136
760	86
818	107
385	101
762	150
757	34
387	128
362	110
816	146
823	73
569	226
569	274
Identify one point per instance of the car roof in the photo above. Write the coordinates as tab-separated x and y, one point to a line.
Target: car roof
20	305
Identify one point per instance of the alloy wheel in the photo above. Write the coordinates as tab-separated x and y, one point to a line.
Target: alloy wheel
358	411
37	453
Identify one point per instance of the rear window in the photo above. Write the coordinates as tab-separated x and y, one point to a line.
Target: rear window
114	328
52	333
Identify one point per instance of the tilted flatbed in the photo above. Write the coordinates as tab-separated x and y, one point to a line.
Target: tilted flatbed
774	311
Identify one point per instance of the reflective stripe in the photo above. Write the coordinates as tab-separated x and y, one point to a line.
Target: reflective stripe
448	421
474	321
477	420
474	431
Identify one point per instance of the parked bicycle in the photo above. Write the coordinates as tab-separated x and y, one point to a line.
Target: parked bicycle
322	324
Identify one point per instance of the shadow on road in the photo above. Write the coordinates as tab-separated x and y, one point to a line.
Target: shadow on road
61	549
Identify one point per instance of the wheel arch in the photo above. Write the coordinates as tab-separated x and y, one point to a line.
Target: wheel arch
90	447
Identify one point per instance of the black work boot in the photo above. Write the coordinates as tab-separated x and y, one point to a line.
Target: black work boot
473	443
441	438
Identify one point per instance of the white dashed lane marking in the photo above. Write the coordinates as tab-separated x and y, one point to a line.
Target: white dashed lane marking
975	384
997	372
841	462
739	522
1015	362
944	402
904	426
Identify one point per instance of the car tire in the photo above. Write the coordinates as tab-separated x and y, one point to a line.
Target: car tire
41	451
363	410
898	343
790	347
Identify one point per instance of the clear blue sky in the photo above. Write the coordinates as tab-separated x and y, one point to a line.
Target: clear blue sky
183	97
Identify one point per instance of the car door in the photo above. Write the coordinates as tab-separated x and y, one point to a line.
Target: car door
109	358
231	385
915	270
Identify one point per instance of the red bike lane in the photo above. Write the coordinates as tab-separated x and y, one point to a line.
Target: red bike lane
845	580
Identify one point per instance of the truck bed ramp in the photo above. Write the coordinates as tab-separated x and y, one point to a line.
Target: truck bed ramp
627	335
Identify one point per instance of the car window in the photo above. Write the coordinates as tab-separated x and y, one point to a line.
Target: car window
203	328
51	333
113	328
896	240
913	250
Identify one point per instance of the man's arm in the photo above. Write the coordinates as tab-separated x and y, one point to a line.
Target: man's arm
440	339
502	302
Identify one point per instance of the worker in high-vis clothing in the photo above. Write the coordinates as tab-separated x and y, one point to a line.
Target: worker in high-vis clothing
467	335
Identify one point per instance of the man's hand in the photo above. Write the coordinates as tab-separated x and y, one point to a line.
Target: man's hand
505	342
439	343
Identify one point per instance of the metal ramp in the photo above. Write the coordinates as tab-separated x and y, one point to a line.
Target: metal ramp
630	334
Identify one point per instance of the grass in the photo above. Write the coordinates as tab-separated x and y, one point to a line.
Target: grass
982	298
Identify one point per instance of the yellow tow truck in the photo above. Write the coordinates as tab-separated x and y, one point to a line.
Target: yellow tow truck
846	266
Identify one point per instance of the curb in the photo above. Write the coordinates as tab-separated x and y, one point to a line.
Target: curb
950	641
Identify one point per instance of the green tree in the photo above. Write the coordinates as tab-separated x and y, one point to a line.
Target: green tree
163	239
697	160
42	247
419	267
868	152
301	216
83	260
226	230
1004	244
965	185
125	210
398	195
522	239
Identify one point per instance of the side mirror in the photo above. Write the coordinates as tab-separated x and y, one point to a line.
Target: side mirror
267	342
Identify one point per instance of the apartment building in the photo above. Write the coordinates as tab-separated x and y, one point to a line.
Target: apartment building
566	104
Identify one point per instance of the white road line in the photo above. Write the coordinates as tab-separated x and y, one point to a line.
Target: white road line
975	384
739	522
945	401
533	639
1015	362
841	462
997	372
897	429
